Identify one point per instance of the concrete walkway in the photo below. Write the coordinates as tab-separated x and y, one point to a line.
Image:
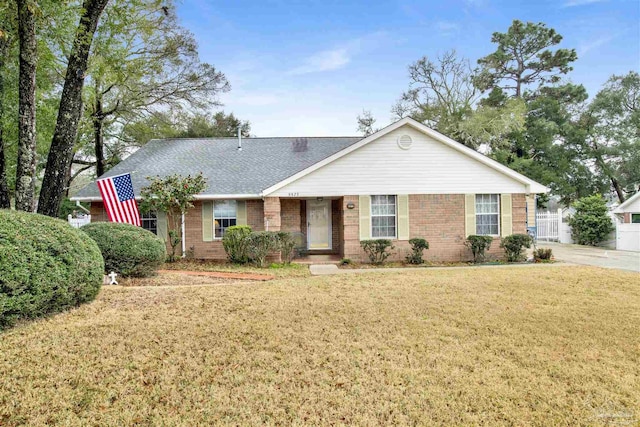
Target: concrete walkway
328	269
598	257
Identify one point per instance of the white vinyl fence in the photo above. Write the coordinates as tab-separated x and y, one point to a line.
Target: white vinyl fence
80	221
628	237
548	225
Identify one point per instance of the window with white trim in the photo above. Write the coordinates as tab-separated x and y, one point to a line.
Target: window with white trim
224	216
488	214
635	218
149	221
383	217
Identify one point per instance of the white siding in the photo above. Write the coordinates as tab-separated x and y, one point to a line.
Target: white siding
633	207
381	167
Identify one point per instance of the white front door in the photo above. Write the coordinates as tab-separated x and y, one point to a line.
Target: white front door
319	224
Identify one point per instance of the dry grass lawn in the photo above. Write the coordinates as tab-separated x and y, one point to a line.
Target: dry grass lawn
277	270
542	346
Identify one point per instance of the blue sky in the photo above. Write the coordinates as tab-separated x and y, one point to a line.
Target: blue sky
308	68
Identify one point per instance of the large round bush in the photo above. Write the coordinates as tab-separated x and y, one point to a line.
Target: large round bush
128	250
46	266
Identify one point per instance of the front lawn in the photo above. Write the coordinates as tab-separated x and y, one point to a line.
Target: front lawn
546	346
277	270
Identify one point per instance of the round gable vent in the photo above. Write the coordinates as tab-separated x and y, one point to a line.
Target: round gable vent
405	142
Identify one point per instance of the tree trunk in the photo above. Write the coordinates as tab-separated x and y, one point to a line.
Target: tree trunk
64	136
26	166
98	121
616	186
5	202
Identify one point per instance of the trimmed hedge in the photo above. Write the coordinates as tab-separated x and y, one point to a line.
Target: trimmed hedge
236	244
260	244
128	250
378	250
514	246
478	244
46	266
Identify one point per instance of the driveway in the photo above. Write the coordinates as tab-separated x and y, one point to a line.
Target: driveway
599	257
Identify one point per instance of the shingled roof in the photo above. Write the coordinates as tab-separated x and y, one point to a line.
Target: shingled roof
261	163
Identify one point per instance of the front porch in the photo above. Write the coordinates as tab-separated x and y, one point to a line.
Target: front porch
317	223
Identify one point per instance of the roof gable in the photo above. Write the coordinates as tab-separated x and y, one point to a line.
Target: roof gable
629	205
529	184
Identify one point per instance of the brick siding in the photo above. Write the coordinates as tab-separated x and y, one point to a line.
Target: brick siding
439	218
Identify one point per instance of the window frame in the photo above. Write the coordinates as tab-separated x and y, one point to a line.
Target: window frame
395	215
222	218
637	215
498	213
145	217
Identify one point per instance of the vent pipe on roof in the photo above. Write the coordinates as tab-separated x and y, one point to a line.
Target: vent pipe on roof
239	139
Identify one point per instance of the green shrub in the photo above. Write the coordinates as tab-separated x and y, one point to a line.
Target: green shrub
590	224
418	246
128	250
514	246
46	266
478	245
542	255
260	244
346	261
377	250
235	243
287	244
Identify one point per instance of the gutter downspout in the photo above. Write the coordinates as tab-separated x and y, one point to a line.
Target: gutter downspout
184	244
88	212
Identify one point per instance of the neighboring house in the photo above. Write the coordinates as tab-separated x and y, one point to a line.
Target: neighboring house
403	181
629	210
628	231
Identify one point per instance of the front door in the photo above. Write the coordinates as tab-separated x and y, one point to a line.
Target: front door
319	224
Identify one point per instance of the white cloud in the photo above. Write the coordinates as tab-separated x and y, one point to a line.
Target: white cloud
447	27
573	3
586	47
326	60
339	56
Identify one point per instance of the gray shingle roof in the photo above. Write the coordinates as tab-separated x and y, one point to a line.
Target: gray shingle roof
262	162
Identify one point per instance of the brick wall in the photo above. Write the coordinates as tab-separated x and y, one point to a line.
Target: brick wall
290	218
272	213
439	218
98	214
214	249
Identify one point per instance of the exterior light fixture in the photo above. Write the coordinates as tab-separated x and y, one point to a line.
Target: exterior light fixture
350	205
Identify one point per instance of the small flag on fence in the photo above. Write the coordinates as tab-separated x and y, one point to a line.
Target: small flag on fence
119	200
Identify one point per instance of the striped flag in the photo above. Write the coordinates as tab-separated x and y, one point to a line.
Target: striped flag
118	198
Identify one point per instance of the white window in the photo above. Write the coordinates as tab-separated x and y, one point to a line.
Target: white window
383	217
488	214
149	221
224	216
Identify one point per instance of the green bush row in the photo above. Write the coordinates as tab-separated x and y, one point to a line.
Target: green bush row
46	266
378	250
243	245
513	246
128	250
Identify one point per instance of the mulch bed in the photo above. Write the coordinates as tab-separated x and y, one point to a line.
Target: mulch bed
223	275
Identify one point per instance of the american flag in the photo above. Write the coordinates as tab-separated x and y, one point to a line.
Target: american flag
118	198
